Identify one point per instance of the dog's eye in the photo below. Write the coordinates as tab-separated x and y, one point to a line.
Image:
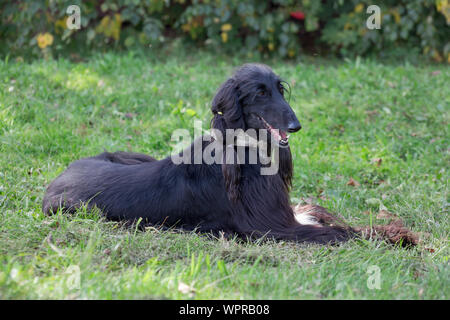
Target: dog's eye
261	93
281	88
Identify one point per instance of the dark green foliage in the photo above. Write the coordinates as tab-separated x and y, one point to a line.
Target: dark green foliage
249	27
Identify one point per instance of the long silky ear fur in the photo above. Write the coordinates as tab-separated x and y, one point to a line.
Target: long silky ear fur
232	176
228	115
226	101
218	122
285	167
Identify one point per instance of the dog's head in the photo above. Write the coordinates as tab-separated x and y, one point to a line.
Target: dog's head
253	98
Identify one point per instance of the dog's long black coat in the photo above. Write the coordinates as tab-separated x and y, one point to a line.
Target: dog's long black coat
229	198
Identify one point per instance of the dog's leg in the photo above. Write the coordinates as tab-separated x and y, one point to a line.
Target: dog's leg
128	158
305	233
317	216
320	234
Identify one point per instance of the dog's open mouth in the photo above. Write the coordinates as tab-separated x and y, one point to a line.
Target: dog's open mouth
281	137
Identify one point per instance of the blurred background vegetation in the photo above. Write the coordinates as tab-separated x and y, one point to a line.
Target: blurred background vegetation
282	28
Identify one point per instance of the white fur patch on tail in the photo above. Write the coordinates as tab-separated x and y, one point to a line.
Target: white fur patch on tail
306	219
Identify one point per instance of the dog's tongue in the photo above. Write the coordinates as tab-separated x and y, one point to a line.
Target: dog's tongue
280	134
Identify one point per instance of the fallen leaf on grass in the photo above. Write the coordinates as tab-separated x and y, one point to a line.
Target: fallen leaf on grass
372	113
420	292
391	84
186	289
352	182
323	197
309	200
377	161
384	214
52	224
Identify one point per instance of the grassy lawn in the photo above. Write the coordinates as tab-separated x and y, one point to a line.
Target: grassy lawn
385	126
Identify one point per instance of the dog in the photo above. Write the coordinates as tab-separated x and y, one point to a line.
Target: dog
228	198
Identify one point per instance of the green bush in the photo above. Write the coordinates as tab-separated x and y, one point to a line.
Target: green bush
419	24
277	27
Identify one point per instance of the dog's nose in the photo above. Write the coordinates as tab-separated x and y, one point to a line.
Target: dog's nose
294	126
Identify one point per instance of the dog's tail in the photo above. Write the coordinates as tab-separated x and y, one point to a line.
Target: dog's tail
394	232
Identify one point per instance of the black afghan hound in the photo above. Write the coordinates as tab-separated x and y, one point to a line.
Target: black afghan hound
229	198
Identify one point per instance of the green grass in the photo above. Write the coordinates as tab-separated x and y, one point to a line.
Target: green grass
54	112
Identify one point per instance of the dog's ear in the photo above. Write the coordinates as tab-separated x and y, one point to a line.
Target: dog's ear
228	115
285	166
231	172
226	107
